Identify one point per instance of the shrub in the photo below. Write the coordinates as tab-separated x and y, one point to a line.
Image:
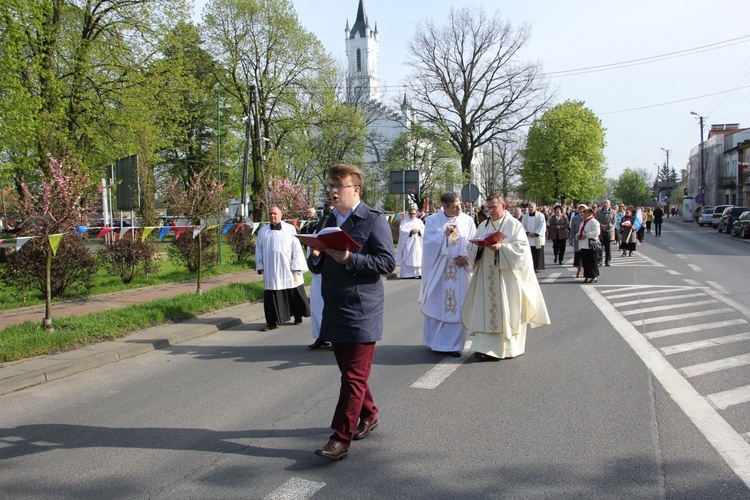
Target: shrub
242	243
73	268
184	251
127	258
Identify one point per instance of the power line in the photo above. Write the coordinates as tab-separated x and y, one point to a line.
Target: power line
646	60
674	102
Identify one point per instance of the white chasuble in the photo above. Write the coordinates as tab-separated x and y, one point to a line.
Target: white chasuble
279	254
504	295
409	251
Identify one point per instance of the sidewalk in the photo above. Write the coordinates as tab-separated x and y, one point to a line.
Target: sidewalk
18	375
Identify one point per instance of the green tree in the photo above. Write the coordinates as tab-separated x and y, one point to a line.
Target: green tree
469	81
564	157
633	187
261	44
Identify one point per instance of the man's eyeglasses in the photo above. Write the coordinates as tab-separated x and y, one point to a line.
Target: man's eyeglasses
491	207
339	187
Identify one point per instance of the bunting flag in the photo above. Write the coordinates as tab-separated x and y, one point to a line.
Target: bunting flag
123	231
198	230
104	231
163	232
146	231
744	165
54	242
21	241
255	227
239	226
179	231
638	220
227	228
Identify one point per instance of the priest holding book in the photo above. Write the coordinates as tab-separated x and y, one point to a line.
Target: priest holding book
504	296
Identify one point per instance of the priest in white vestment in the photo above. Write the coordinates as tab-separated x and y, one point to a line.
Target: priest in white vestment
281	261
504	295
535	226
447	275
410	244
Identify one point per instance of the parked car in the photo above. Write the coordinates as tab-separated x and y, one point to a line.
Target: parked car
705	215
718	212
731	214
742	225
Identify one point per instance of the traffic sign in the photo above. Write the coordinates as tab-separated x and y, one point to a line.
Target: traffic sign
699	198
470	193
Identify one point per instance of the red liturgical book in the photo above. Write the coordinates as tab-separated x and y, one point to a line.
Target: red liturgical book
330	237
489	239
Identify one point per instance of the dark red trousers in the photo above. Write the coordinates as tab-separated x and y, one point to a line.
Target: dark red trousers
355	398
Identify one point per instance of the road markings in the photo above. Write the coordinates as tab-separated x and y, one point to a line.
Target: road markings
662	297
441	371
696	268
677	317
725	399
693	328
717	287
680	256
704	344
673	272
692	282
667	307
727	442
716	366
296	488
551	278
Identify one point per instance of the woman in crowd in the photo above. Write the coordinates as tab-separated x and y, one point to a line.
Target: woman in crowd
557	231
628	237
575	226
588	233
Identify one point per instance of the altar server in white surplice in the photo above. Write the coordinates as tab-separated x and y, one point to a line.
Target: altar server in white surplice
504	295
535	225
447	272
281	261
409	252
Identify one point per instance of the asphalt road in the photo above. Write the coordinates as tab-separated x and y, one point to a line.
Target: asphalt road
624	396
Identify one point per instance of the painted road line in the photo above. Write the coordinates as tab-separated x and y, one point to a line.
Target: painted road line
617	293
704	344
551	278
716	366
672	295
727	442
296	488
696	268
677	317
717	287
667	307
441	371
673	272
650	260
692	282
693	328
680	256
725	399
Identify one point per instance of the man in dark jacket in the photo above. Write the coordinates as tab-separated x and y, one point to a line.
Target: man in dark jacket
607	219
353	298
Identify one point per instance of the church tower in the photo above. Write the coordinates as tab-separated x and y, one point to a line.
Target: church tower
362	55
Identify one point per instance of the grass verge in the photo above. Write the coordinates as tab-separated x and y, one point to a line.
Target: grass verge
71	332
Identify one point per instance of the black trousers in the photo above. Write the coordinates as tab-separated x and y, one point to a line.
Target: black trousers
558	248
606	243
657	228
588	260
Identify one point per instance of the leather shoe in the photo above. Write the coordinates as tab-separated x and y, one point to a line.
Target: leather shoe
485	357
364	428
297	321
267	327
334	450
318	344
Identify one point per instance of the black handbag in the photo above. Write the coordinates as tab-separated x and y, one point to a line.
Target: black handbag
595	245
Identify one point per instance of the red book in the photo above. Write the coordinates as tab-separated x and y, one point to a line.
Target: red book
489	239
330	237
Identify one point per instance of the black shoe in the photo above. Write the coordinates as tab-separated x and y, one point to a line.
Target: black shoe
485	357
456	354
318	344
606	264
298	321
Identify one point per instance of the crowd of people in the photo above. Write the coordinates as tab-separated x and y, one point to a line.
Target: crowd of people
478	278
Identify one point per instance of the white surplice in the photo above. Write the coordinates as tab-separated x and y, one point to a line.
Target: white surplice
444	284
409	251
279	254
504	295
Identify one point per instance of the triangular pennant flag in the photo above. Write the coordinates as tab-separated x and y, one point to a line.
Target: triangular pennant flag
179	231
21	242
198	230
146	232
227	228
255	226
212	226
105	230
54	242
163	232
239	226
123	231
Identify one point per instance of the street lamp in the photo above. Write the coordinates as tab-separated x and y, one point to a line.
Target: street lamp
701	189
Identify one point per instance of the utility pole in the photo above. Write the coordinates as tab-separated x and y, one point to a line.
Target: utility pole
702	188
246	157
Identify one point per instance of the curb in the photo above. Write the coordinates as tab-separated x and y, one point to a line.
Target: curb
35	371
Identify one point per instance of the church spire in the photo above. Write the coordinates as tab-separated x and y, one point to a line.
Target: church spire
361	24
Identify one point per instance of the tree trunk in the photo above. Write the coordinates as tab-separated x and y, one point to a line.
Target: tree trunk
199	291
47	322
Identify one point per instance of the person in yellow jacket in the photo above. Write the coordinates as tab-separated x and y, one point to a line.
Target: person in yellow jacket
649	219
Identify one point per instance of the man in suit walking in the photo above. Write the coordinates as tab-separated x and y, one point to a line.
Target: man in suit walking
353	298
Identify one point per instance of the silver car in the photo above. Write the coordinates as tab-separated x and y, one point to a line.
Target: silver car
706	216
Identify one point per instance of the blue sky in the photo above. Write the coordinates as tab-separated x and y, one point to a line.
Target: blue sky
632	100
